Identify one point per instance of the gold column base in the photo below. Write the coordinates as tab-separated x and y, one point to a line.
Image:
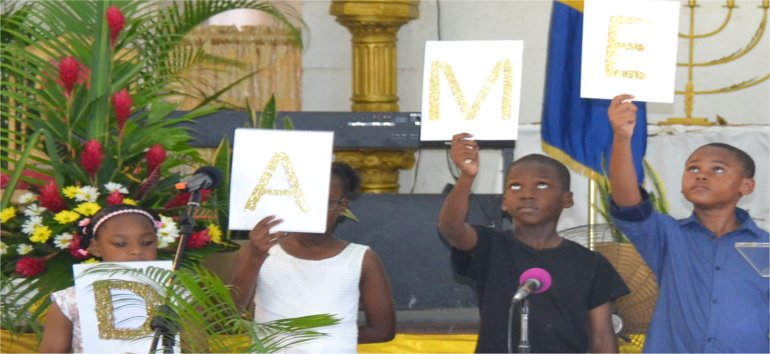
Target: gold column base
379	168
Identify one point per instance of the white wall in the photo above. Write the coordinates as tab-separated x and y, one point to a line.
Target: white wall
327	60
327	75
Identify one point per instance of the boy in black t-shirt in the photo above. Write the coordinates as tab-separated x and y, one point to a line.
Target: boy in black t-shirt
575	314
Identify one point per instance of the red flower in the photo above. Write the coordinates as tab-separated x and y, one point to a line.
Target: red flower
122	102
92	156
199	239
155	157
114	198
30	267
50	198
75	250
181	199
115	21
69	73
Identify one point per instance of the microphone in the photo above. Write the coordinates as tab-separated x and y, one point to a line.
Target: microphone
206	177
533	280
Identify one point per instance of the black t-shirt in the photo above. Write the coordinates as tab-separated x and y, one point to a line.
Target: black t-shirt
558	318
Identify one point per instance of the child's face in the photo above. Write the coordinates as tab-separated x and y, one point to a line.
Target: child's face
337	202
713	177
126	238
533	194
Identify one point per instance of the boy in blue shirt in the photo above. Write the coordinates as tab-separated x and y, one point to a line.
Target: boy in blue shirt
710	299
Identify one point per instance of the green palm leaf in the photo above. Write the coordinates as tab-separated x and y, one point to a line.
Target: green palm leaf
147	59
200	305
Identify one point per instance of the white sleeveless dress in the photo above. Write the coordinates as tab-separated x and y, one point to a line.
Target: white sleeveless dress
292	287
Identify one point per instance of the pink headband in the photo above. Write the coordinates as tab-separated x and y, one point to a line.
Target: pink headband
120	212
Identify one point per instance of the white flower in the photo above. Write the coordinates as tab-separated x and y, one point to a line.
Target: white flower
163	242
112	186
23	249
34	210
26	198
87	194
3	248
28	227
168	229
62	240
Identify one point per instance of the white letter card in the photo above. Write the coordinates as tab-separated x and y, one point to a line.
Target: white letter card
285	173
629	46
473	87
116	308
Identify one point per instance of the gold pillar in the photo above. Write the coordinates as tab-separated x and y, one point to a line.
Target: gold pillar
374	25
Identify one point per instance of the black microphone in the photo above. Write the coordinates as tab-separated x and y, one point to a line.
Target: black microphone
206	177
533	281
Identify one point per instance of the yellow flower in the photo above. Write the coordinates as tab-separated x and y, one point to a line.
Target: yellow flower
215	232
65	217
40	234
129	201
88	208
7	214
91	260
71	191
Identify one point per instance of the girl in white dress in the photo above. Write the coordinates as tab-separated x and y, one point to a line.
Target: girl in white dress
120	233
298	274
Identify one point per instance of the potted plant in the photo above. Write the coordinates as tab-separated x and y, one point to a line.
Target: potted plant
86	122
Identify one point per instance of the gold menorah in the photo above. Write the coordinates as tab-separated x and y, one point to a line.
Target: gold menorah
689	91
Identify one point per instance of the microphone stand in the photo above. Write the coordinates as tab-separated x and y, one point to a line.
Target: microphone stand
524	338
162	323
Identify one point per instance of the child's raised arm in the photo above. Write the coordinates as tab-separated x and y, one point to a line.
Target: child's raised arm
623	186
451	219
249	260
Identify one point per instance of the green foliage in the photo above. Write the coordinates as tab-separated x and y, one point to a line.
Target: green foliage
190	291
146	60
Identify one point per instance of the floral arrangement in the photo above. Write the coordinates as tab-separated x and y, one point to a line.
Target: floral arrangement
40	227
87	85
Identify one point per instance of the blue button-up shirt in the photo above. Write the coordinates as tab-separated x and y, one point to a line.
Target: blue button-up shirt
710	298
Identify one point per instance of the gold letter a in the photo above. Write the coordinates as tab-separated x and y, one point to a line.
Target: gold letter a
261	188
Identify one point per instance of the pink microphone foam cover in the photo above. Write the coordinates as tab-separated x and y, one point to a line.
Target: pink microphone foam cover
540	274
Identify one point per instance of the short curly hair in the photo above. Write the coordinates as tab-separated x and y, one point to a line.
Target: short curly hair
351	181
562	173
746	162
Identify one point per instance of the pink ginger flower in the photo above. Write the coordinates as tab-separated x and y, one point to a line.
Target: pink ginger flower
114	198
50	198
121	103
69	73
92	156
155	157
116	22
29	267
199	239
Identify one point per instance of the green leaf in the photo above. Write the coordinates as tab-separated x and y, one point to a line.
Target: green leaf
223	162
19	168
267	117
189	290
101	76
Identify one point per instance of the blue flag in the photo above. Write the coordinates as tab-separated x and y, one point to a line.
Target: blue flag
577	131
